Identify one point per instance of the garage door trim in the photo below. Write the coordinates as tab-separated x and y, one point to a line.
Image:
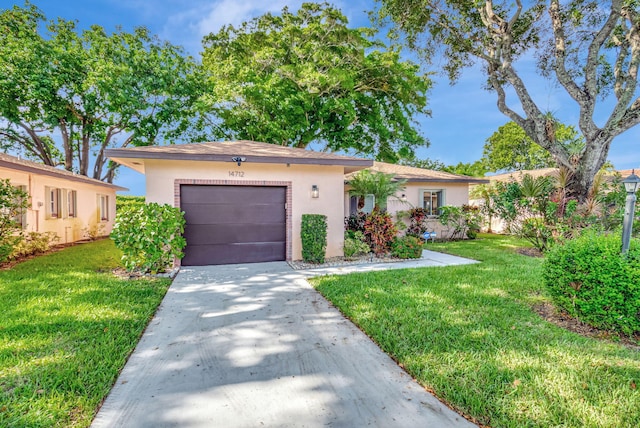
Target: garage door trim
286	184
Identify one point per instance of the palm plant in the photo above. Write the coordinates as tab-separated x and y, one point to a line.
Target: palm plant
382	186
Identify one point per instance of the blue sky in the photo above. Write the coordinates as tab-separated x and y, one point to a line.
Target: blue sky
463	116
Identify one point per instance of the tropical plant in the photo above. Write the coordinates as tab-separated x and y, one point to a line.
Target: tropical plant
382	186
380	231
149	236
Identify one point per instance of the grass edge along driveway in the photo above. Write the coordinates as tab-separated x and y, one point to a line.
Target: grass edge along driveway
469	335
67	326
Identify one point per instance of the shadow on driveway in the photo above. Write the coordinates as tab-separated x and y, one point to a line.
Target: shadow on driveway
255	345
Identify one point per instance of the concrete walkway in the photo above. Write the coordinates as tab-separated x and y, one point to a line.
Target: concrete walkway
255	345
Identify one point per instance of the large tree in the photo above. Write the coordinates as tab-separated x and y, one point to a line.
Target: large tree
306	78
67	95
590	48
511	149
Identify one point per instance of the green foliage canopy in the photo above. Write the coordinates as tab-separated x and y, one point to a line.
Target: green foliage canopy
306	78
590	49
96	90
511	149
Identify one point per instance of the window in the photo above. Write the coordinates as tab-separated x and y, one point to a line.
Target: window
432	201
72	203
53	202
103	207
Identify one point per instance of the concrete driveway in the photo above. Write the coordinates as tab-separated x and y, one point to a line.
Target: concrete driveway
255	345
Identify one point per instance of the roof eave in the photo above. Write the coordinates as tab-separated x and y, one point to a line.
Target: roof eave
122	154
75	177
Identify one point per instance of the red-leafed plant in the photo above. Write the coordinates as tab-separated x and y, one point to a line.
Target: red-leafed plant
380	231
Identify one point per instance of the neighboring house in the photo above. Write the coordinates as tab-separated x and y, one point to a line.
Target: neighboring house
243	200
425	188
498	225
62	202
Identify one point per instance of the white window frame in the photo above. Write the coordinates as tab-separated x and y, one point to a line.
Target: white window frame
440	200
103	207
72	203
53	206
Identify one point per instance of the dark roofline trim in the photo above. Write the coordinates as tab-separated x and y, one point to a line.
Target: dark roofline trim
56	174
442	180
447	180
126	154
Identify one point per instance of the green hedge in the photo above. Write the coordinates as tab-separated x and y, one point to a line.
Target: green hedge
314	237
592	281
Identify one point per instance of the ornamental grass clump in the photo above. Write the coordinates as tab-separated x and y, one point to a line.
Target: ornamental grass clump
591	280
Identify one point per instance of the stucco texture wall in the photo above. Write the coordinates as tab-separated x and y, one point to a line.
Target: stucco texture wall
455	194
161	176
67	228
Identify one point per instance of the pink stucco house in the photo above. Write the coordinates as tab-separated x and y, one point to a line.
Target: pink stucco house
62	202
244	200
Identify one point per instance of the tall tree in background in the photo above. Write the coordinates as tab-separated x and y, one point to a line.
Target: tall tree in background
590	48
306	78
511	149
93	89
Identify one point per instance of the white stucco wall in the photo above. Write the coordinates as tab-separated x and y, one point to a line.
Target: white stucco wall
161	176
68	229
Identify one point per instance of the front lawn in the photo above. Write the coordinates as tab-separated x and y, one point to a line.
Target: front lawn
469	335
67	325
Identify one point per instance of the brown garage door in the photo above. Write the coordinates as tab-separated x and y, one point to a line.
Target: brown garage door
233	224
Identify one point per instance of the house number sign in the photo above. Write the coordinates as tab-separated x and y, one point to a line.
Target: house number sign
236	173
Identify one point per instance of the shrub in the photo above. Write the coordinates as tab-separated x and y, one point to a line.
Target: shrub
33	243
418	222
592	281
354	244
123	201
407	247
355	222
13	201
94	231
314	237
150	236
380	231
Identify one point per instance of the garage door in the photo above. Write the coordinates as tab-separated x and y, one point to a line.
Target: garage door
233	224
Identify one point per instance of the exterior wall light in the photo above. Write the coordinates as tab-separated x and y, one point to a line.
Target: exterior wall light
631	186
238	159
315	193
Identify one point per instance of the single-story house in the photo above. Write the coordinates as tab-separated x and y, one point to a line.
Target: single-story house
425	188
61	202
243	201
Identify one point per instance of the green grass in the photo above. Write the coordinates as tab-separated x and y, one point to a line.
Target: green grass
469	334
67	325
